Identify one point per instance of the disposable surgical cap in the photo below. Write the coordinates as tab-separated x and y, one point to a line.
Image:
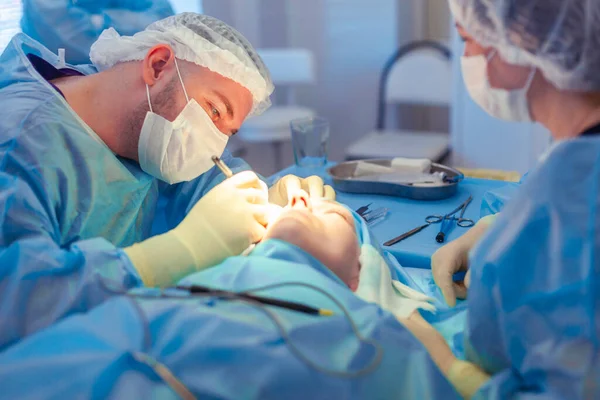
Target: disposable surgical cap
196	38
561	38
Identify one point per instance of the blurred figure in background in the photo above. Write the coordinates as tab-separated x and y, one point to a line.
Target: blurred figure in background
75	24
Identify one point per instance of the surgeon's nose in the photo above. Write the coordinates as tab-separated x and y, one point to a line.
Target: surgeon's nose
301	200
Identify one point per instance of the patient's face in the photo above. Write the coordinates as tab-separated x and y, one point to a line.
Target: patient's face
325	230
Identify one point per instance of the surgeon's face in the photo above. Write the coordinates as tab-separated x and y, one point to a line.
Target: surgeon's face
501	74
225	101
323	229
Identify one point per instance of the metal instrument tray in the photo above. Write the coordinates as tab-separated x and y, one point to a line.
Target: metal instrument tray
344	180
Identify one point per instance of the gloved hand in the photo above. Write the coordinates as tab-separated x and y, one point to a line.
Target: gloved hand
285	188
467	378
454	257
223	223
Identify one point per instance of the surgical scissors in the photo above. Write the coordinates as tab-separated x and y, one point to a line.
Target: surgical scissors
460	221
435	219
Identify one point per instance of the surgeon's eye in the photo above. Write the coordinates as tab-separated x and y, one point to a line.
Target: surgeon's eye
215	114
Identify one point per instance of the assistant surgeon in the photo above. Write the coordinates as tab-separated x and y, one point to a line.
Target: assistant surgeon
93	156
534	293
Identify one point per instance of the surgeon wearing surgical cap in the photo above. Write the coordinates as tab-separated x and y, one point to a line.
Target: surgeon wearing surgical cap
106	179
534	293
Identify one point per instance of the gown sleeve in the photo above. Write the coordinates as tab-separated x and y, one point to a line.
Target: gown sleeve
534	302
41	279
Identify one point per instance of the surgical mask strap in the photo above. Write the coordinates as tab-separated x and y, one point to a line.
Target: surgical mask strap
494	52
148	95
187	99
530	79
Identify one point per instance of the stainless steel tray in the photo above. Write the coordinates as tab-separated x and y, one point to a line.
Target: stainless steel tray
344	180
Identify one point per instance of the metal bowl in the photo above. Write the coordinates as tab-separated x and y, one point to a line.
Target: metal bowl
344	179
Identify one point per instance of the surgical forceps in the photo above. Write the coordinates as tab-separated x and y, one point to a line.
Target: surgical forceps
222	166
228	174
446	221
371	217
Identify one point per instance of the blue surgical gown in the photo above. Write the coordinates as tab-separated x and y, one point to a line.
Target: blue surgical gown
67	203
227	349
533	317
76	25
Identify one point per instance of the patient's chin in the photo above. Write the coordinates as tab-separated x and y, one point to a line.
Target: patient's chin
348	275
354	278
338	251
353	284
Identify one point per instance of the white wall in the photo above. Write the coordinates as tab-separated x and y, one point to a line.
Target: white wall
354	40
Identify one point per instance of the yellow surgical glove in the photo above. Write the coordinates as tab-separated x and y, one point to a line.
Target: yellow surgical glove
454	257
223	223
285	188
467	378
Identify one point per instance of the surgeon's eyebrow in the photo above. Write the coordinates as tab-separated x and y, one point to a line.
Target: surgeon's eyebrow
226	102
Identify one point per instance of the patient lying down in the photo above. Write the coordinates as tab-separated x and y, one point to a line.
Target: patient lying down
326	230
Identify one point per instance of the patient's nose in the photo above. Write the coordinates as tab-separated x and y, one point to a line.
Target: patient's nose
300	200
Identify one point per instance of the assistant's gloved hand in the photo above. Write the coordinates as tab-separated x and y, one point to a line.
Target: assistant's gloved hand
285	188
467	378
223	223
454	257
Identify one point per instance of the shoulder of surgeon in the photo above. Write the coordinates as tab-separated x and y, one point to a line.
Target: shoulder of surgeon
567	181
573	159
26	99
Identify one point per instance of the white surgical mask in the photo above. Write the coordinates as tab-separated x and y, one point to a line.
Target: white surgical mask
180	150
509	105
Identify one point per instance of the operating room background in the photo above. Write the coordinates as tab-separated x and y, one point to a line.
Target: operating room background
351	41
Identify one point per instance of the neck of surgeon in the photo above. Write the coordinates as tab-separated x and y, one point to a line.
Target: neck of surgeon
87	96
566	114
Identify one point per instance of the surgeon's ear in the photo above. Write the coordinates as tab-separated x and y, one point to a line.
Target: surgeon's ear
157	62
